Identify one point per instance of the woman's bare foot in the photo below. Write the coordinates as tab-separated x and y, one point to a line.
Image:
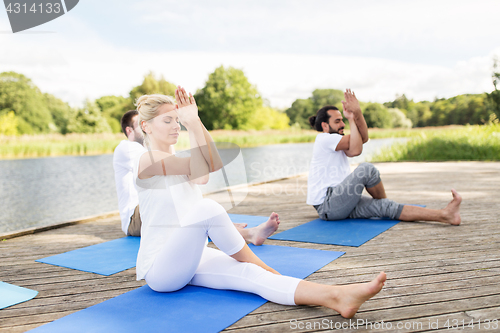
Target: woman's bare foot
240	225
452	211
347	299
257	235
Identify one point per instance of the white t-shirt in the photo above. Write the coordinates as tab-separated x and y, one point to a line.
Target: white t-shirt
328	167
123	162
163	202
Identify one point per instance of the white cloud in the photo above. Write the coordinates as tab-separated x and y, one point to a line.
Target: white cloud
90	72
81	62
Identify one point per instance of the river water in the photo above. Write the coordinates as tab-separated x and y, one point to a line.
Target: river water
44	191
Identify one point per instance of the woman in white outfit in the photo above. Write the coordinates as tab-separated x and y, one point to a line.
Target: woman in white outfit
177	220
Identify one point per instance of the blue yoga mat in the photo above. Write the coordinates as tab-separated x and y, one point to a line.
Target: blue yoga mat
349	232
191	309
105	258
251	220
11	294
120	254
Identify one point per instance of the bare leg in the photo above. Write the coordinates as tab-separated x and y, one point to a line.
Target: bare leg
259	234
377	191
246	255
346	300
450	214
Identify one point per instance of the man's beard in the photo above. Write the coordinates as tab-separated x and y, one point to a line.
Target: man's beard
140	140
332	131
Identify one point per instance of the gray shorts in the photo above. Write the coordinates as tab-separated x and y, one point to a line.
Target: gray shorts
134	228
345	200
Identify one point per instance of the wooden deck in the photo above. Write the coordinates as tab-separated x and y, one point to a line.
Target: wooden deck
437	274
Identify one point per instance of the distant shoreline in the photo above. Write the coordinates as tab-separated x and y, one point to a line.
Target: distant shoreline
55	145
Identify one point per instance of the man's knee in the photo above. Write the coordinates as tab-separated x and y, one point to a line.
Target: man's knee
368	172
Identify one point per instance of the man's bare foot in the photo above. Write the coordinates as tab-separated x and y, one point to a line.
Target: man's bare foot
452	211
349	298
259	234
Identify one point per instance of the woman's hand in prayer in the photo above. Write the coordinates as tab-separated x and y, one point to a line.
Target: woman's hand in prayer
188	110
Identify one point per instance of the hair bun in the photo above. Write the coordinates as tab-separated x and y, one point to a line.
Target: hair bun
141	101
312	121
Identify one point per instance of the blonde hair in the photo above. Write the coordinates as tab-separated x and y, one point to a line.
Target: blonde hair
147	106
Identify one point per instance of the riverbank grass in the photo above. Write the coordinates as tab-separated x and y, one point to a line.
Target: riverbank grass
44	145
465	143
477	142
30	146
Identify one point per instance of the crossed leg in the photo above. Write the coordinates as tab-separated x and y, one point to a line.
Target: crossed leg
377	191
345	200
185	259
257	235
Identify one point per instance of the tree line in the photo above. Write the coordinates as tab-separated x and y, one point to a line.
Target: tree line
227	101
459	110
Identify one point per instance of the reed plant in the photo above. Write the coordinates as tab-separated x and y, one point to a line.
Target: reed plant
43	145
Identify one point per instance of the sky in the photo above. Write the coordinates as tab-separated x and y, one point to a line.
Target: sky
380	49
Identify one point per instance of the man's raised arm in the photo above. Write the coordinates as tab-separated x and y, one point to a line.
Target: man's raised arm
358	115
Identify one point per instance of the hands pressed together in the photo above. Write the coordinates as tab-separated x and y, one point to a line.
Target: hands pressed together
350	105
188	110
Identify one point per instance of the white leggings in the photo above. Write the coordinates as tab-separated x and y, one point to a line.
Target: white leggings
185	259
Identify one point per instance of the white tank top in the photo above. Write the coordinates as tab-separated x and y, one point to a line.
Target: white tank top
163	202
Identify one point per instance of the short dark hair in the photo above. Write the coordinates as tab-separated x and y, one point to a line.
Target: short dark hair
320	117
127	120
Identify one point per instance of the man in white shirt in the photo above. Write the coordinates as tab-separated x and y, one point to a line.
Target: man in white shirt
123	163
124	158
336	193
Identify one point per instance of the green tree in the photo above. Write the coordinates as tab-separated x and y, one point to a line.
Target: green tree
8	123
150	85
88	120
377	115
265	118
440	109
420	114
61	112
399	119
228	100
401	103
494	96
324	97
300	111
19	94
468	109
113	108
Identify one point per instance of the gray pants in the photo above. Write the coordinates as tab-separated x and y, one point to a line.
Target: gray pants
345	199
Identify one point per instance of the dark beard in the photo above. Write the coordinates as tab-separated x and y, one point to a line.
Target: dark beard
140	140
332	131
